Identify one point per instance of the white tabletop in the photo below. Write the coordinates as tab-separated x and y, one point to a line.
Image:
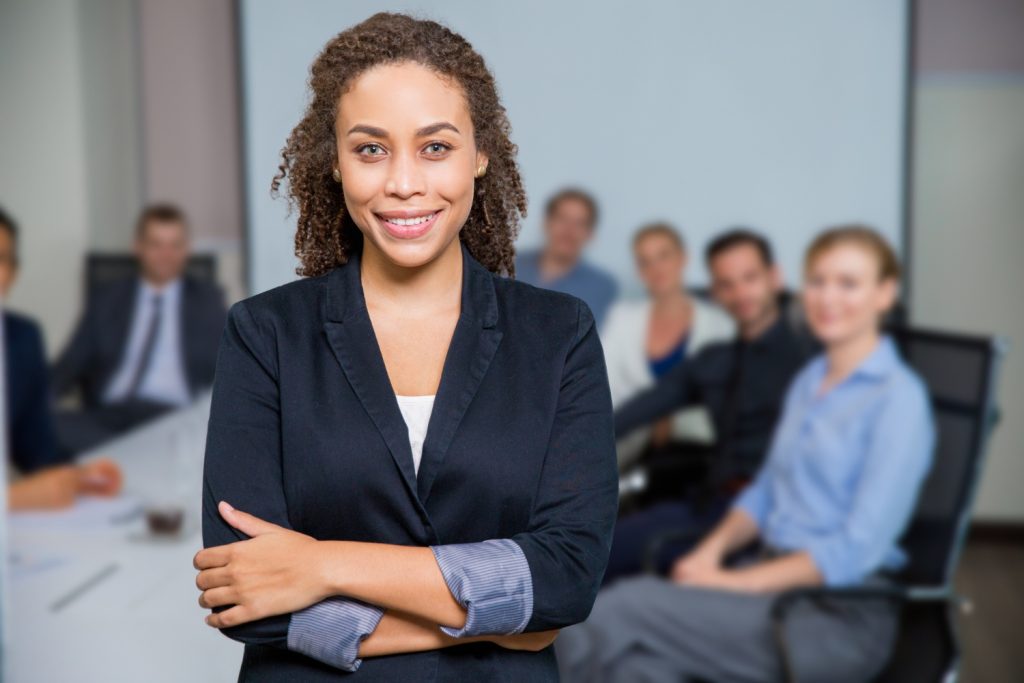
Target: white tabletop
94	597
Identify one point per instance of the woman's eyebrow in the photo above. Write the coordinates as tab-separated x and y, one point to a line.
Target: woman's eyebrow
373	131
436	127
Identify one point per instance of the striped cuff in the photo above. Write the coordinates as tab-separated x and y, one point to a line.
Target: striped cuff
492	580
330	631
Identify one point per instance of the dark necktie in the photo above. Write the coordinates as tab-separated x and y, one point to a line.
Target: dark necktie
146	357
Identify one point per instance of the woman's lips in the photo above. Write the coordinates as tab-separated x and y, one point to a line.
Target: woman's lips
407	232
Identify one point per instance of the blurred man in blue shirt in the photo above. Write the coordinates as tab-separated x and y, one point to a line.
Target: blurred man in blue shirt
569	223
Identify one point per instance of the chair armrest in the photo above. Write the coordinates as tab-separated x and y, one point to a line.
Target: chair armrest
895	593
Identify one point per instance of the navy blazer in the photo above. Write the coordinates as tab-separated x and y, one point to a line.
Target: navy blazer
305	431
100	340
29	420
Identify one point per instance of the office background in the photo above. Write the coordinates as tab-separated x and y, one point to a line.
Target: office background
137	100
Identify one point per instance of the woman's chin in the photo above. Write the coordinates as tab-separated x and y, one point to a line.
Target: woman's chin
412	253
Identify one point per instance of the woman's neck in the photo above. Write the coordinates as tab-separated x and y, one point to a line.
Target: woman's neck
426	289
673	301
845	356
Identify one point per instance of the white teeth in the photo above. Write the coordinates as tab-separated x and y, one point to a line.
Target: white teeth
410	221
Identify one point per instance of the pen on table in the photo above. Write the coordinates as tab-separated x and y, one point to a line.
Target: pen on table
84	587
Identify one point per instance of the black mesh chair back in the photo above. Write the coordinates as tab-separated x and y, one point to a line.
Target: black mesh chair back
960	372
102	268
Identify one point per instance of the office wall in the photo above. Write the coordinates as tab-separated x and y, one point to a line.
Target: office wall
43	175
968	228
785	115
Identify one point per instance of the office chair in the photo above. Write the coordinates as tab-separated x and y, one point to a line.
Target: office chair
961	373
101	268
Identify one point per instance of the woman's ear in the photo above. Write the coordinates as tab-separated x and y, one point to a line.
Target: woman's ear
481	164
889	292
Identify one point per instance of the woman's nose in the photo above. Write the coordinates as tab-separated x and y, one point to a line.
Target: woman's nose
405	177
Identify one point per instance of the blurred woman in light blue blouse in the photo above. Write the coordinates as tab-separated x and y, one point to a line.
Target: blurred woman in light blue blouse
840	483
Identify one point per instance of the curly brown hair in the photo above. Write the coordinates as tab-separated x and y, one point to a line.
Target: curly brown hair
326	234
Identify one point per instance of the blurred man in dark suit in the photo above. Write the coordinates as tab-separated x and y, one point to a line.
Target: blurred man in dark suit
41	477
145	344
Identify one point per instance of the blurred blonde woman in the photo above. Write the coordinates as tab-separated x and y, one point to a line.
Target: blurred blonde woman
828	508
644	339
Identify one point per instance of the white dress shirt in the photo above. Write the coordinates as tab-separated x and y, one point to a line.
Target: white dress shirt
164	380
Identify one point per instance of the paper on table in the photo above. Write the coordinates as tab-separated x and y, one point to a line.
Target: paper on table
90	513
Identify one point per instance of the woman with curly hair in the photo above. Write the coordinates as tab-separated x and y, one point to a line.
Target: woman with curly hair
410	465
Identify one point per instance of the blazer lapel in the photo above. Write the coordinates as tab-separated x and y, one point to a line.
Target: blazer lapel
472	348
351	337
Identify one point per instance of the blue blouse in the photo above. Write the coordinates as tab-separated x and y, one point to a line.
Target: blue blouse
662	366
845	467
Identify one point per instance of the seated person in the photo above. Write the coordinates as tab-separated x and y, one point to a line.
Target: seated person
645	339
145	344
740	382
40	476
570	219
847	461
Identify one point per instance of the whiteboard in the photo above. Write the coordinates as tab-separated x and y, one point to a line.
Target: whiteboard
785	116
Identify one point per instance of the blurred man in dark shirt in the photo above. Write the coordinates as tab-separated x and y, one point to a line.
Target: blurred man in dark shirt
145	344
741	383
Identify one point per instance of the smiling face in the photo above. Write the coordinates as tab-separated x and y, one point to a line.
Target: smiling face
844	293
407	159
660	262
744	284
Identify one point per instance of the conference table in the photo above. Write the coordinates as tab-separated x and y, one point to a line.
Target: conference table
95	596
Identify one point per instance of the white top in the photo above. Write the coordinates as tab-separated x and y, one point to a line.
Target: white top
624	338
416	413
164	380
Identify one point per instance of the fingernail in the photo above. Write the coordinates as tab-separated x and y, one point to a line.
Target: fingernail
227	505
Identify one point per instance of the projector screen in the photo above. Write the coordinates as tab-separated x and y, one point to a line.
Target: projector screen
785	116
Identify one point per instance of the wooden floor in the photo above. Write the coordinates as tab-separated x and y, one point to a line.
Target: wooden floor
992	576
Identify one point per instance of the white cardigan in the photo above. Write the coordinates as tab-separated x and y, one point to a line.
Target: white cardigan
624	338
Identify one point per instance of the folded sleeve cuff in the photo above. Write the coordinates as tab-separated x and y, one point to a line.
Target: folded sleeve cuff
492	580
330	631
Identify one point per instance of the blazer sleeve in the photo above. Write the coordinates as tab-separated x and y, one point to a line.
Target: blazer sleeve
569	539
33	441
70	365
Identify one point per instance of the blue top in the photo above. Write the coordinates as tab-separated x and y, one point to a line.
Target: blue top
845	467
662	366
596	287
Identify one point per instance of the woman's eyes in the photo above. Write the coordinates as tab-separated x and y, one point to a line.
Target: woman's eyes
433	149
371	149
438	148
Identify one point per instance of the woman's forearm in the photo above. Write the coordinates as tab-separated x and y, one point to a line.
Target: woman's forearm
735	531
399	632
795	570
402	578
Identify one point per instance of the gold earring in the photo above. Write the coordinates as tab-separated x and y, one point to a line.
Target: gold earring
337	175
481	170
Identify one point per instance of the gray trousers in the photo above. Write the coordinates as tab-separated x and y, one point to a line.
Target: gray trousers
650	630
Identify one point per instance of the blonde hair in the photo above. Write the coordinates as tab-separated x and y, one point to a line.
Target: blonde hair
861	236
666	229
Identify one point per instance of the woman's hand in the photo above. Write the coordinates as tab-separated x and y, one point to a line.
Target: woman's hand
100	477
703	561
277	571
529	642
